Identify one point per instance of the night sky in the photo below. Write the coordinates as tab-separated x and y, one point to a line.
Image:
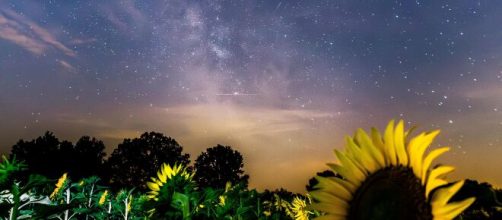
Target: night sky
281	81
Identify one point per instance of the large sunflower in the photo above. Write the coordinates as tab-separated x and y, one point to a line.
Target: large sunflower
388	177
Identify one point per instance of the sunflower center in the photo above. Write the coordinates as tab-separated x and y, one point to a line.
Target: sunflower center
392	193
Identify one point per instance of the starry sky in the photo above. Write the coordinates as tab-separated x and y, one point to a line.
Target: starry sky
281	81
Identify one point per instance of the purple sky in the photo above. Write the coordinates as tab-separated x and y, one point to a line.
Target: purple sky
281	81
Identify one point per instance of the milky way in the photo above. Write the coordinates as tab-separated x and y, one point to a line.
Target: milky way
281	81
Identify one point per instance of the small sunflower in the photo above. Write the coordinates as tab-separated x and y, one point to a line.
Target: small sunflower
102	198
299	209
166	174
388	178
59	185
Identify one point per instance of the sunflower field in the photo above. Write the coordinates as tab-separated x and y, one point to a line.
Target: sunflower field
173	195
387	175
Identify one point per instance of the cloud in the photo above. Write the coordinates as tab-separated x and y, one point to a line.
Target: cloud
10	33
125	16
24	32
66	65
227	118
489	91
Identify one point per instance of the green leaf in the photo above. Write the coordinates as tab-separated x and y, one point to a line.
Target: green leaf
181	202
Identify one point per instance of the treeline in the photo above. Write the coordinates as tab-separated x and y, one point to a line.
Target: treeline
135	161
131	164
149	177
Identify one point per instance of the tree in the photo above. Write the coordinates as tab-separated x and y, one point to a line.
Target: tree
134	161
40	155
88	158
48	156
219	165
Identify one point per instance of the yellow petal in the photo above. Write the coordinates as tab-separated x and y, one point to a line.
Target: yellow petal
161	177
153	186
433	180
328	198
389	143
376	137
428	160
348	185
413	152
346	162
361	156
370	165
453	209
163	170
345	173
443	195
159	183
177	169
368	146
354	152
329	208
169	171
422	147
335	188
399	144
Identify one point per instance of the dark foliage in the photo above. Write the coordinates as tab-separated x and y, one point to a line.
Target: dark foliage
88	158
48	156
268	195
41	155
487	204
134	161
219	165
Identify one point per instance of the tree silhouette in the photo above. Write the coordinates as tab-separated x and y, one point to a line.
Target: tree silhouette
219	165
487	204
88	158
134	161
48	156
41	155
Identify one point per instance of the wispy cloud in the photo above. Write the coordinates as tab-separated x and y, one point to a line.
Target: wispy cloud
10	32
66	65
125	16
26	33
249	121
